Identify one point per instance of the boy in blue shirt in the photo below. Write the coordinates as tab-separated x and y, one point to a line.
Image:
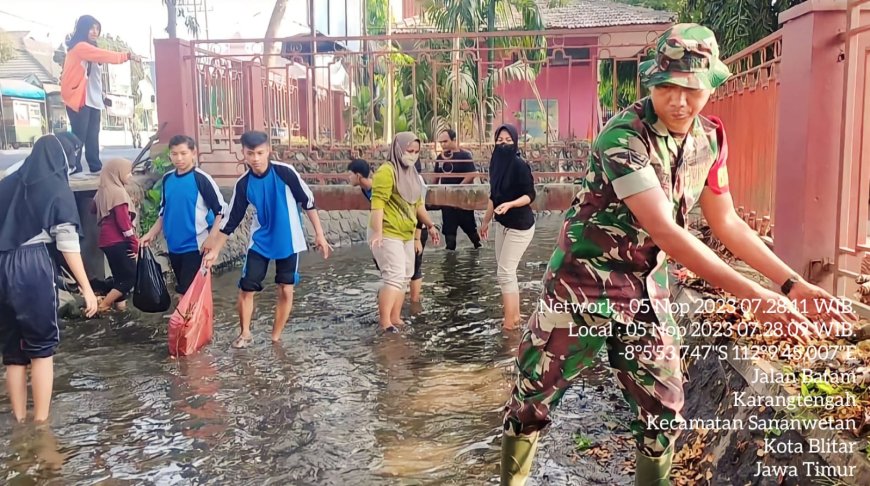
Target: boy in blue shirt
360	175
275	190
190	207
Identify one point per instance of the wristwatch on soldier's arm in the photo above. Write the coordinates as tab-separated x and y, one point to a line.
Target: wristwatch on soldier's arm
789	284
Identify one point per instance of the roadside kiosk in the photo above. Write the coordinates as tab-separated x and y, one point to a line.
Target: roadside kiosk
22	113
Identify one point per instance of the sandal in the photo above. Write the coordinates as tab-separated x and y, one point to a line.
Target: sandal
242	342
390	330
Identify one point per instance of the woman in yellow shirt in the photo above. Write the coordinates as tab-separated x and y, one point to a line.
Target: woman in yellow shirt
397	203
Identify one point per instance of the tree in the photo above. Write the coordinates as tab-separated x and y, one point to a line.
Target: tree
471	16
737	23
175	12
379	106
137	72
269	47
109	43
446	86
7	48
675	6
625	83
377	15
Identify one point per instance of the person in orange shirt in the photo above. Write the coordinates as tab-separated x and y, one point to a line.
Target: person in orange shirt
81	87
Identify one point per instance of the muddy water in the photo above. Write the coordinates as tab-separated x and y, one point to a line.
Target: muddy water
335	404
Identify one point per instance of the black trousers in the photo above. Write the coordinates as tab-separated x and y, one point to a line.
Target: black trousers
418	257
85	125
185	266
123	268
454	218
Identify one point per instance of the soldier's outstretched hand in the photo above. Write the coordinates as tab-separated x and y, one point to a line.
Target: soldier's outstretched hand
819	304
781	318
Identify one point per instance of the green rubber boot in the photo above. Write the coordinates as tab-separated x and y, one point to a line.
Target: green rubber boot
517	454
654	471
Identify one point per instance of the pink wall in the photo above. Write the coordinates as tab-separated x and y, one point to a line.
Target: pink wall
175	88
573	87
808	139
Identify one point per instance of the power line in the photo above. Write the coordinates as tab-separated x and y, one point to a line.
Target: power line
28	20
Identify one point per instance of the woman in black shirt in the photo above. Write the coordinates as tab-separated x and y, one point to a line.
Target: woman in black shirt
512	190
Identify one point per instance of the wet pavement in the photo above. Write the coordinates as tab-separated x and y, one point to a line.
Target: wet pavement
335	404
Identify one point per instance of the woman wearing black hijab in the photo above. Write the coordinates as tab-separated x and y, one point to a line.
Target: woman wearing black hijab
512	190
38	209
81	86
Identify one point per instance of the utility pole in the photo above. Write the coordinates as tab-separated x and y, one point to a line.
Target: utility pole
196	7
313	132
388	123
205	13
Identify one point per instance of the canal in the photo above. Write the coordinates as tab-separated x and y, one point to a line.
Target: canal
335	404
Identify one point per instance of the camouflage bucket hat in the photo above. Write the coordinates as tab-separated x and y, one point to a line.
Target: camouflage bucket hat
686	55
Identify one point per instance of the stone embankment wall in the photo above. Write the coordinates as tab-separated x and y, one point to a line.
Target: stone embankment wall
554	157
341	228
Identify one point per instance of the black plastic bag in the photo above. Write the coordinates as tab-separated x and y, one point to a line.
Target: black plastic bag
150	293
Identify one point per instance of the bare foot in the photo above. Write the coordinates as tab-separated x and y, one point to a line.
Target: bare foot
398	322
511	324
121	306
243	341
276	339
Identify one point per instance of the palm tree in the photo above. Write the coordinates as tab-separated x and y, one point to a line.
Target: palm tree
378	107
472	16
440	84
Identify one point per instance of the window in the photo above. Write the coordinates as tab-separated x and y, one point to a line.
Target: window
535	122
568	55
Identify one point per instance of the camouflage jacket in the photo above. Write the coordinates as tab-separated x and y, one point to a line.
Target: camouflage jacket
603	257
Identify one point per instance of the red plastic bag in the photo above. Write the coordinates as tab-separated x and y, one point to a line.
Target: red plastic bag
192	324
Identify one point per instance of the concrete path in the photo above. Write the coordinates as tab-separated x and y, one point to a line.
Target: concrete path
10	157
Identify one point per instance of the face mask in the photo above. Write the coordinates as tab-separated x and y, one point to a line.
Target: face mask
504	149
409	159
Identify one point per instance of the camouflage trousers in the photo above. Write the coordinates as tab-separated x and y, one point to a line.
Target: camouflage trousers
557	347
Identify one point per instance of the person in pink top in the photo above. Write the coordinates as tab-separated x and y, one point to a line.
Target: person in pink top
117	234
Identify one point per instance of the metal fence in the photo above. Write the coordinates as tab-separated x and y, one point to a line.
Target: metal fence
853	197
323	103
748	105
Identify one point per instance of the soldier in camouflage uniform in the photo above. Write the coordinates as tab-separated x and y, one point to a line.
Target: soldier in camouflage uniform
607	280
